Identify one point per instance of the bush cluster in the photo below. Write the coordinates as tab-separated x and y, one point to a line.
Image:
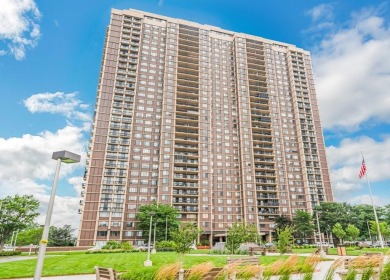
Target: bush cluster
10	253
106	251
114	247
304	246
166	246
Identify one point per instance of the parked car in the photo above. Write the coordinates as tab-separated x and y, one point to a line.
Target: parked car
8	247
325	244
143	247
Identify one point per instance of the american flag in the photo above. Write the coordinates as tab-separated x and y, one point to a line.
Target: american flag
363	170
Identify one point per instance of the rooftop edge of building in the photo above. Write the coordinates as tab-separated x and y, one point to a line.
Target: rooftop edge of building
229	33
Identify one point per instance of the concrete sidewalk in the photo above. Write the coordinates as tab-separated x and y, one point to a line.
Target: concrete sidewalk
67	277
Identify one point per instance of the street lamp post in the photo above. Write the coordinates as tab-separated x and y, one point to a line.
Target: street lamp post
148	262
369	233
322	253
154	239
166	228
16	237
61	156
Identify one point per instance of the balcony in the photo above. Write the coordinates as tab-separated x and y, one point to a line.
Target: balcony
185	192
185	176
185	201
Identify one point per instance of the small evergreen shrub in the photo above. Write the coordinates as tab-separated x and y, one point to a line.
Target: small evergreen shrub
10	253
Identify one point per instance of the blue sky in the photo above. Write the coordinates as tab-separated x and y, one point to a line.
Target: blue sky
50	55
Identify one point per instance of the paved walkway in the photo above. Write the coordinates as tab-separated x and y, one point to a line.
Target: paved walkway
16	258
68	277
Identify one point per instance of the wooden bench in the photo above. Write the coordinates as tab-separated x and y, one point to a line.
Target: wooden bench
243	261
369	254
105	273
347	266
271	250
253	250
210	275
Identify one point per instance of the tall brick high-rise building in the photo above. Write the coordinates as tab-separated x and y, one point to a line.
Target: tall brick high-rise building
222	125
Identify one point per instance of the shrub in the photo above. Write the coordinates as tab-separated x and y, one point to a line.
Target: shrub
10	253
126	246
106	251
111	245
198	271
249	271
167	272
165	246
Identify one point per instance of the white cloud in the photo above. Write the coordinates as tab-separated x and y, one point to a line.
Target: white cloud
65	211
352	66
77	183
26	167
366	199
321	12
345	162
18	27
58	103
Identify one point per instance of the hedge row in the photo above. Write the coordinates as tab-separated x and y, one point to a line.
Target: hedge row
10	253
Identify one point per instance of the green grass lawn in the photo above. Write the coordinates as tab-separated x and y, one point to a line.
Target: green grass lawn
351	251
68	263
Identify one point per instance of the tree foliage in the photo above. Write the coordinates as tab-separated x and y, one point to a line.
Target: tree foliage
240	233
29	236
165	218
184	236
303	223
282	221
352	232
16	214
61	236
285	239
383	227
235	237
338	231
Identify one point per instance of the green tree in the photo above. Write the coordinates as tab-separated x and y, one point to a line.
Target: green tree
304	226
352	232
285	238
240	233
29	236
282	221
184	236
16	214
126	246
339	232
360	214
235	236
61	236
165	218
251	234
383	227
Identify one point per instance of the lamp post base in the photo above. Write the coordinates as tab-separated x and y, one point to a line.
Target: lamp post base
153	251
148	263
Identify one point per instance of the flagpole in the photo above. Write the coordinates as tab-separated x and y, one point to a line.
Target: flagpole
373	206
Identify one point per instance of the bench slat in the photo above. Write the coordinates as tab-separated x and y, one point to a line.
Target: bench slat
243	261
105	273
